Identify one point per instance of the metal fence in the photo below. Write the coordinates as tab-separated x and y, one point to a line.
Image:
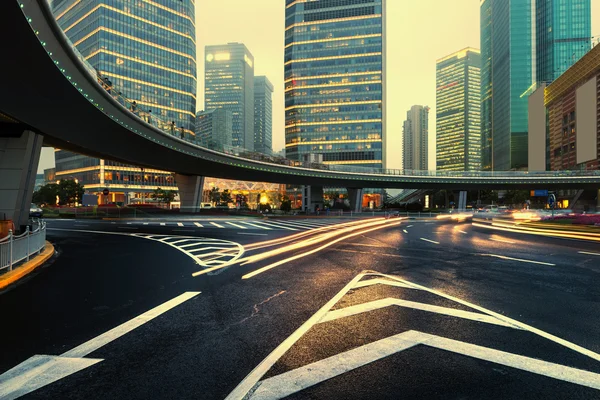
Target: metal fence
17	248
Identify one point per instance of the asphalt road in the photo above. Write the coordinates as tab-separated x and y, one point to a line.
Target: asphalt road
452	313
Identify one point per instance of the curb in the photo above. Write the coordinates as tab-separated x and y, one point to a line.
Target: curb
21	271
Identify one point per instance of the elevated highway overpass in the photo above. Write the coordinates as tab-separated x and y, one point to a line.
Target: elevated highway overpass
49	94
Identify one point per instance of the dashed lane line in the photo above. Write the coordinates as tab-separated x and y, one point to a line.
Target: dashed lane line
518	259
430	241
404	230
589	253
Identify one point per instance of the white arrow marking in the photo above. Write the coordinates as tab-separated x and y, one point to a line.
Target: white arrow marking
374	305
41	370
294	381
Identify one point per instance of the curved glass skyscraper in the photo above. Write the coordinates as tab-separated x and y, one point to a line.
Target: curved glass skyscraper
334	81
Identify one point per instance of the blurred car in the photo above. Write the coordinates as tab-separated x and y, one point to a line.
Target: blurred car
35	211
489	209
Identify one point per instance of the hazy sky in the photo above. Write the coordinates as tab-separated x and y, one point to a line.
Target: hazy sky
418	33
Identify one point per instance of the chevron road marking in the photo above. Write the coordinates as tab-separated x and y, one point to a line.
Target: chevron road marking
41	370
291	382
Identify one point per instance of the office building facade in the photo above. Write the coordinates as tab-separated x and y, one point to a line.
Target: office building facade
564	30
229	84
458	111
263	115
148	53
214	129
523	42
334	69
415	139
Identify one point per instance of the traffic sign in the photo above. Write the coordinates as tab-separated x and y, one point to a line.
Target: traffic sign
539	193
106	192
551	199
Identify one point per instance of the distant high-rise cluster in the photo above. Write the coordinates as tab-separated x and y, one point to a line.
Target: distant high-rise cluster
214	128
458	111
415	149
334	81
523	42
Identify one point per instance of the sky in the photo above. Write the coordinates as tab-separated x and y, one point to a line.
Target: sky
418	33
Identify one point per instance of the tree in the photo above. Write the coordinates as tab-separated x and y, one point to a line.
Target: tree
286	205
226	197
158	195
46	194
69	192
167	196
215	196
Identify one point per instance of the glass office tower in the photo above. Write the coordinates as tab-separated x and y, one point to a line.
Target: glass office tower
458	111
148	52
214	129
523	42
229	84
415	139
263	115
564	31
334	81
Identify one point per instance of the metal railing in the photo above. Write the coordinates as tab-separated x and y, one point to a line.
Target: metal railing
17	248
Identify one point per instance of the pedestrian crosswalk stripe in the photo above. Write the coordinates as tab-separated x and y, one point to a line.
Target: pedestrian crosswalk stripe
217	225
237	226
179	224
199	225
258	226
303	226
280	225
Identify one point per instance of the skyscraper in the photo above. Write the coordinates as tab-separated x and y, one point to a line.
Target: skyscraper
263	115
229	84
214	128
334	81
564	31
148	52
523	42
458	111
415	139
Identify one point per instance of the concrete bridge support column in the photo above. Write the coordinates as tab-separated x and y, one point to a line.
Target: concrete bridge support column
355	197
312	197
19	158
190	192
462	200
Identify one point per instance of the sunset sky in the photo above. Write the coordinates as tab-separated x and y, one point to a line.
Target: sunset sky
418	33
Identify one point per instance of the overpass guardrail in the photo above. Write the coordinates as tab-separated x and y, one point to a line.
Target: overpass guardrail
17	248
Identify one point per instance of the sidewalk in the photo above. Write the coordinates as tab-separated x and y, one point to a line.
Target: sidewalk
26	268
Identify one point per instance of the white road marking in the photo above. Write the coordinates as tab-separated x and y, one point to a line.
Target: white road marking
129	223
278	225
258	226
217	225
179	224
252	379
588	253
199	225
41	370
145	223
237	226
162	224
404	230
377	304
379	281
518	259
410	226
463	232
502	240
253	234
304	225
288	383
430	241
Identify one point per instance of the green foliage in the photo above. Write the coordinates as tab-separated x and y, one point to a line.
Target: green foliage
46	194
226	197
215	195
69	192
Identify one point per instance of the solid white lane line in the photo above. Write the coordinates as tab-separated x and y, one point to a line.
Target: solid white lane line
430	241
115	333
502	240
518	259
258	226
237	226
253	377
286	384
179	224
217	225
589	254
374	305
253	234
279	225
404	230
199	225
379	281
